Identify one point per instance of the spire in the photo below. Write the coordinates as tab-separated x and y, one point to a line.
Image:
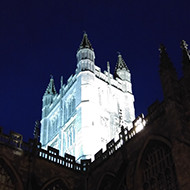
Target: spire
165	62
121	69
85	56
85	43
121	63
168	74
51	87
185	54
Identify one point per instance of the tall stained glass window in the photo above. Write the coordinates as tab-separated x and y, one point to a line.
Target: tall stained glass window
158	168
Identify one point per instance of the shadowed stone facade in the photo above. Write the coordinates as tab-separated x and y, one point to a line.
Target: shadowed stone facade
156	157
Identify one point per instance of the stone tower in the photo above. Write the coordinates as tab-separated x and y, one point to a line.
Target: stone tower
83	116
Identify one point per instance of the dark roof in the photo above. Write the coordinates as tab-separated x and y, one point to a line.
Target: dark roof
121	63
85	43
51	88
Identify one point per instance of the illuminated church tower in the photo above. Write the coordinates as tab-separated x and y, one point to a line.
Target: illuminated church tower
84	115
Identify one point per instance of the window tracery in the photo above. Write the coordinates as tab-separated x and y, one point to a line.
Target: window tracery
6	180
158	168
70	136
69	108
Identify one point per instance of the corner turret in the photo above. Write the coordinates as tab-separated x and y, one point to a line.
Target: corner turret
121	70
85	55
48	97
49	93
51	88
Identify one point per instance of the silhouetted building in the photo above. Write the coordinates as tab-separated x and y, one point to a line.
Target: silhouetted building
153	155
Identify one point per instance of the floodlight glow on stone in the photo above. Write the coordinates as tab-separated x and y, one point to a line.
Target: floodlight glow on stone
83	117
140	123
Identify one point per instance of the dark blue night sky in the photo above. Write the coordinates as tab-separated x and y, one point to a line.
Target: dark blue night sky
41	37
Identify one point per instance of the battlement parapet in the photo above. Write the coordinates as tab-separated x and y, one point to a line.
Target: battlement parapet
108	78
33	147
15	140
124	136
68	160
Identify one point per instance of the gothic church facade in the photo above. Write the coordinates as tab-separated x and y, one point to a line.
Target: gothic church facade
83	116
153	158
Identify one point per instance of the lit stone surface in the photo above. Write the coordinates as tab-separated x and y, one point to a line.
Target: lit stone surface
83	116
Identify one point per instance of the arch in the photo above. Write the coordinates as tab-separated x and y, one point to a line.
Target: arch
9	179
55	184
152	138
155	167
106	181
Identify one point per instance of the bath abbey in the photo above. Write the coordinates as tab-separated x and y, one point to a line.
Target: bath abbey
83	116
89	138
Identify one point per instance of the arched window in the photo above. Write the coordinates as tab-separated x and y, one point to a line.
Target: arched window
7	181
50	130
57	185
158	167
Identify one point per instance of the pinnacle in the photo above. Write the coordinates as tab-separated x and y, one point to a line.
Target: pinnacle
162	48
164	59
121	68
184	45
185	52
85	43
121	63
51	87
